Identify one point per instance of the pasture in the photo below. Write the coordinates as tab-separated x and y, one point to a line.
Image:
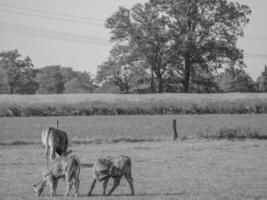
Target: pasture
137	128
192	169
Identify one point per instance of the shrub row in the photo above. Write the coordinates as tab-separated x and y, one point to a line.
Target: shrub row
131	105
232	133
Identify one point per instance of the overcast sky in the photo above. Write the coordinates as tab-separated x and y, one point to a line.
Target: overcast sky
26	25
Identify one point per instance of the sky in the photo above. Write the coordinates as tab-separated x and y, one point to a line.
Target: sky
71	33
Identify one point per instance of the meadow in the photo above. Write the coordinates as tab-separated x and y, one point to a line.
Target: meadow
119	104
130	128
196	166
191	169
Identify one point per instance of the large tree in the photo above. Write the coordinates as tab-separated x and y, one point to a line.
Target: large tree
17	74
204	34
142	30
193	36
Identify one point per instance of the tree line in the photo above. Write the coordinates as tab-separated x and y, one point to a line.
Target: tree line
159	46
19	76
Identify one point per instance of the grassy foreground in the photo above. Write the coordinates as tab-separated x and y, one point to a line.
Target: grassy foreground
115	104
203	170
133	128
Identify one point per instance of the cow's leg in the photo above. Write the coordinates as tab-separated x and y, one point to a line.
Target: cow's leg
105	183
55	186
76	185
92	187
51	182
69	185
52	152
115	185
129	179
46	153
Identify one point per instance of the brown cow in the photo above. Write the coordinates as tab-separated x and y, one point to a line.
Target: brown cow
56	141
67	167
112	167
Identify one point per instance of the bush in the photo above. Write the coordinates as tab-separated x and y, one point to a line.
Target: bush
232	133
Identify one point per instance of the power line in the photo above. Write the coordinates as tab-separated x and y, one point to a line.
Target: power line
254	37
35	32
33	29
50	12
49	37
263	56
51	17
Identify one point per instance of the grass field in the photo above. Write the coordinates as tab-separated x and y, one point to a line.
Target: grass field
116	104
192	169
186	169
104	129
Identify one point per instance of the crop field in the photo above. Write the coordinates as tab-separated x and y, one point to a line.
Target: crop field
191	169
118	104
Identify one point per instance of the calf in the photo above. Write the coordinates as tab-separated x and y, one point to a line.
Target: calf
112	167
67	167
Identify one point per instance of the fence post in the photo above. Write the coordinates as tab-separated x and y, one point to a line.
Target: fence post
175	135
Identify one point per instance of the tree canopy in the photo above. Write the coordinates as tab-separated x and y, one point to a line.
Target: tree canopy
192	38
17	74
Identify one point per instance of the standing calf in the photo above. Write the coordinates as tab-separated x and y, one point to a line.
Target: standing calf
114	167
56	141
67	167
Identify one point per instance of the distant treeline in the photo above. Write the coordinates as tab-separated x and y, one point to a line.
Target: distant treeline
18	76
111	104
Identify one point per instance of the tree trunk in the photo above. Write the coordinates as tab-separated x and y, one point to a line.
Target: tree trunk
127	88
160	80
175	134
187	73
152	89
11	90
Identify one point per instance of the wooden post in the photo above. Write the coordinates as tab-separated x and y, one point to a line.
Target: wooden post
57	123
175	135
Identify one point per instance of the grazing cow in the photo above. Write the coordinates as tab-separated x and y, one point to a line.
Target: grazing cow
67	167
114	167
56	141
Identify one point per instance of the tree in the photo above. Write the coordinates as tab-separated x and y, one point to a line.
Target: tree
235	80
17	75
262	81
51	80
204	34
144	33
107	87
82	82
125	71
193	36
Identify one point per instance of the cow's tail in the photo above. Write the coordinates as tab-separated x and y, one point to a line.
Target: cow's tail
129	166
45	138
77	159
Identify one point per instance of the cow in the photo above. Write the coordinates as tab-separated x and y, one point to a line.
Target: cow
56	141
67	167
112	167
